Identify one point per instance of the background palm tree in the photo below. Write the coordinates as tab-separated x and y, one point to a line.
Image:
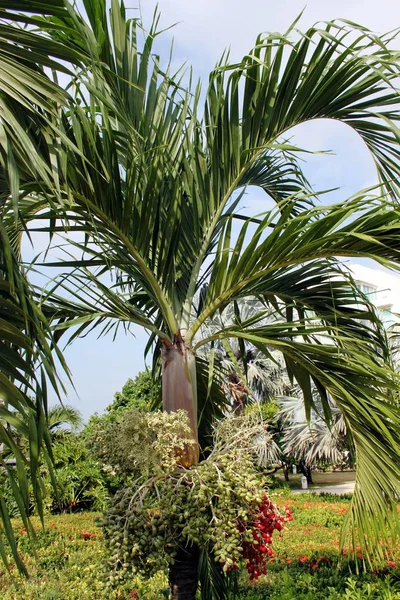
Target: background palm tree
59	416
248	374
150	183
314	441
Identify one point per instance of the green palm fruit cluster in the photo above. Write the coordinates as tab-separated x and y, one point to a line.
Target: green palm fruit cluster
147	522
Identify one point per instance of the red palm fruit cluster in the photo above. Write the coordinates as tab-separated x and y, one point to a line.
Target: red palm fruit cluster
267	520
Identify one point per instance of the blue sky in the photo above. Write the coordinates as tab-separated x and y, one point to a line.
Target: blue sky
204	30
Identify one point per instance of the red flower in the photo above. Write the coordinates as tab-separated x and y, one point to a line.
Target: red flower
303	559
391	563
86	535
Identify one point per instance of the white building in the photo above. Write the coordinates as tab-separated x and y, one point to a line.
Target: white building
383	290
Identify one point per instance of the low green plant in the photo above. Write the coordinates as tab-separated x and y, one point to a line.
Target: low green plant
80	483
384	589
327	583
333	497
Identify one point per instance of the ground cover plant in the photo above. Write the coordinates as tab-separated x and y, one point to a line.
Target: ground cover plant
71	558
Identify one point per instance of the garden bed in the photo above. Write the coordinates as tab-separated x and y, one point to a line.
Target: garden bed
70	564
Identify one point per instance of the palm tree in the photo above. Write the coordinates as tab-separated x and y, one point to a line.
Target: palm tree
248	374
309	442
60	415
147	184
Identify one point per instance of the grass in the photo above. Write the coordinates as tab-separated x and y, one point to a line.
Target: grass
71	558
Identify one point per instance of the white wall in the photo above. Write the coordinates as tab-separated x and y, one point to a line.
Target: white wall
386	286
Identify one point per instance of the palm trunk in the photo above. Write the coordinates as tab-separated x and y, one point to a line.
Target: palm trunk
183	574
307	472
179	389
286	472
309	476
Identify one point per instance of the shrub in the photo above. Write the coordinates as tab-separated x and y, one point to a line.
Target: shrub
79	480
322	584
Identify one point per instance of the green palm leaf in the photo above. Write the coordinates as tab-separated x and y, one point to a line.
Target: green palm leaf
26	360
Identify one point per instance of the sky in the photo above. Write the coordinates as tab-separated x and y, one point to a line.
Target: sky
203	30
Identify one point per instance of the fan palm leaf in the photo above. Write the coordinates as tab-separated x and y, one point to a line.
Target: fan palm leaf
315	440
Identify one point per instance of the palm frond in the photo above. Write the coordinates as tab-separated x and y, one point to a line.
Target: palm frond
213	581
240	270
25	362
147	167
58	416
313	441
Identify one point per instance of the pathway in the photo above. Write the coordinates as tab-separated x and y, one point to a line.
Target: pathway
341	488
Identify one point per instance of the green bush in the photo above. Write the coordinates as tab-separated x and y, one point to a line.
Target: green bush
276	483
80	483
142	393
326	583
